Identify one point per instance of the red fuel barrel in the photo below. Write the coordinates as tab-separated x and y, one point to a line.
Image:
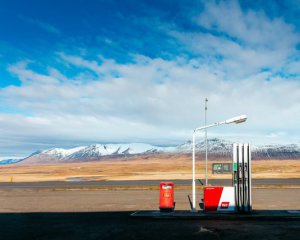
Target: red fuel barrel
166	196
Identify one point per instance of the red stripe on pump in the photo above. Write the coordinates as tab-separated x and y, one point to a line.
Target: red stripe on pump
212	196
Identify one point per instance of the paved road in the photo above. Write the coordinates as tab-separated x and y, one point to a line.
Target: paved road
118	225
86	184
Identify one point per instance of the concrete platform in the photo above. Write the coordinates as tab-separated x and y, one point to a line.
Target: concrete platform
273	215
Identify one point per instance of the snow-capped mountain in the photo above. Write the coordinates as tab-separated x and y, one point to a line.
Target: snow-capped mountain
217	148
98	150
214	145
93	152
9	161
290	151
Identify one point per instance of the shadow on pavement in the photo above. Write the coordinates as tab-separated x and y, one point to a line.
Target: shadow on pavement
119	225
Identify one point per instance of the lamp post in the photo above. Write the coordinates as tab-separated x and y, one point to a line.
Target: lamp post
206	100
237	120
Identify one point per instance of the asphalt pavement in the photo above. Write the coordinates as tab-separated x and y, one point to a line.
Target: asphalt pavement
85	184
119	225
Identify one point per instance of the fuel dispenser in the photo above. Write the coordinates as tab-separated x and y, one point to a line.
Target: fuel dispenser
166	197
242	177
236	198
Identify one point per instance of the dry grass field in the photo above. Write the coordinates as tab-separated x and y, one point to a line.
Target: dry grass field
150	167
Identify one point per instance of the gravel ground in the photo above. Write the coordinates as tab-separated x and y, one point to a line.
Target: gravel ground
43	200
104	214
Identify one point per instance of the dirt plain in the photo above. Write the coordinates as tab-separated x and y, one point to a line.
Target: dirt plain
84	213
148	167
105	214
83	200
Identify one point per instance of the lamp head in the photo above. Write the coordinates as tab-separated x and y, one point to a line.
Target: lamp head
237	120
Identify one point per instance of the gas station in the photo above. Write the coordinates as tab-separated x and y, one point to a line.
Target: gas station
236	198
219	202
223	199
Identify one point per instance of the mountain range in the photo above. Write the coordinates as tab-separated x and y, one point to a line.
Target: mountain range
217	148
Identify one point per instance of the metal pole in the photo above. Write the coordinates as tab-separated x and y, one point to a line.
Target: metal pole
250	178
232	120
193	162
194	180
206	178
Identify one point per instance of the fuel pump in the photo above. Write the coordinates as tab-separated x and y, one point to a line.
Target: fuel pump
236	198
242	177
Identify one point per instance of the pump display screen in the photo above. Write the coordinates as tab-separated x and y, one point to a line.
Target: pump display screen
221	168
227	168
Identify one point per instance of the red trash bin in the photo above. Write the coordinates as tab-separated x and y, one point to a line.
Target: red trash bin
166	196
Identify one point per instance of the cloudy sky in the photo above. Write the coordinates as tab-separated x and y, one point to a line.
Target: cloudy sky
98	71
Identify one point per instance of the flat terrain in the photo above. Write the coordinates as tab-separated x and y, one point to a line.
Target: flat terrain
49	200
150	167
145	184
94	200
34	213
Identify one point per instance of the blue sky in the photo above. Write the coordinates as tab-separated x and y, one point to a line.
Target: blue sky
80	72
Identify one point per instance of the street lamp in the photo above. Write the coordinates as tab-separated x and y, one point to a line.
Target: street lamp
237	120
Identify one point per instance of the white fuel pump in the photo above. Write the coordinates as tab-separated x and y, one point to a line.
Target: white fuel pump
242	177
236	198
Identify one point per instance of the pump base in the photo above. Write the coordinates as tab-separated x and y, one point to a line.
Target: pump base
255	215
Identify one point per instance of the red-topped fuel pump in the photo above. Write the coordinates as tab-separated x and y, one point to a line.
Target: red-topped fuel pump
166	197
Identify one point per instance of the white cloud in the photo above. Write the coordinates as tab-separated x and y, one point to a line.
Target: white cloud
161	101
248	27
240	43
153	100
45	26
26	75
293	68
